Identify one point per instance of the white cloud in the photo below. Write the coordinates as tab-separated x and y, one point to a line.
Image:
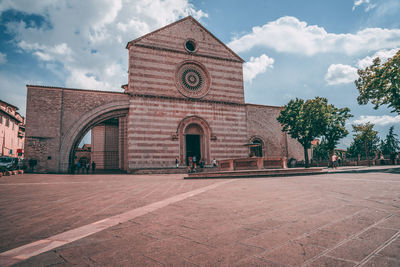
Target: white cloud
88	38
384	55
47	53
255	66
3	58
27	6
367	3
339	73
43	56
378	120
80	78
289	34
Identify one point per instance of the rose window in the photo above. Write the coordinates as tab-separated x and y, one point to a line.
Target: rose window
192	80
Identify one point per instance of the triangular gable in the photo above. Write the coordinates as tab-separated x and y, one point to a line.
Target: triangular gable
173	37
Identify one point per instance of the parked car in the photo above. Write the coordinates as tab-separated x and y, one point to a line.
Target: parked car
8	163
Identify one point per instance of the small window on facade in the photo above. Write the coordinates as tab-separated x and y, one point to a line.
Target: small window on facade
7	122
12	125
1	119
190	46
257	150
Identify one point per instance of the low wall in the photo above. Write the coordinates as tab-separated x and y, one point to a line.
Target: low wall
252	164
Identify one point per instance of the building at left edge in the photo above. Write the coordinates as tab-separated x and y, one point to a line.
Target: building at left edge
12	131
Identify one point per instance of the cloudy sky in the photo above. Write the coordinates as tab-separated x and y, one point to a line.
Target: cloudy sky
292	48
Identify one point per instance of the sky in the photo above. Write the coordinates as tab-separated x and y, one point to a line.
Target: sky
292	48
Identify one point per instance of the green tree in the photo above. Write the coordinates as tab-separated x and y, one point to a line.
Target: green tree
391	144
365	141
380	83
321	151
336	128
305	120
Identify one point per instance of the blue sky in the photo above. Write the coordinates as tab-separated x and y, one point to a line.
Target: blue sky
292	48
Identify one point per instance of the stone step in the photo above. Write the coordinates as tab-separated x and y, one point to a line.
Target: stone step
256	173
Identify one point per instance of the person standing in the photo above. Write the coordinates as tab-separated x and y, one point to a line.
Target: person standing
177	162
93	166
214	162
78	167
194	163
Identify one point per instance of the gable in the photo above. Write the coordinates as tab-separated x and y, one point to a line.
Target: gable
174	37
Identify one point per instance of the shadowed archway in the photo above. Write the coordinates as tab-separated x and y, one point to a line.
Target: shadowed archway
75	134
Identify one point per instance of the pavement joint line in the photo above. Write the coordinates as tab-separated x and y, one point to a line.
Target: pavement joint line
312	231
352	237
380	248
340	259
37	247
352	179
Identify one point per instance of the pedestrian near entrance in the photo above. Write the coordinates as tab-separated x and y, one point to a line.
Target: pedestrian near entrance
93	166
177	162
190	165
214	162
87	167
194	163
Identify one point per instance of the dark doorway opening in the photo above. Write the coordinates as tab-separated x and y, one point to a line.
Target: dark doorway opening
193	147
257	149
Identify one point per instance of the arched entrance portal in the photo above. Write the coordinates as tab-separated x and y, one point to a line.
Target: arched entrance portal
194	134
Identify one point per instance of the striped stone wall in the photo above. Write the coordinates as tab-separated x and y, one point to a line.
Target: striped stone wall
154	140
152	71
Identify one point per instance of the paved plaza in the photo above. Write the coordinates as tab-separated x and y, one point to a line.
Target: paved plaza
342	219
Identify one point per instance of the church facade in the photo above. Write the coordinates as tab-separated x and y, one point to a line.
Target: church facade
184	98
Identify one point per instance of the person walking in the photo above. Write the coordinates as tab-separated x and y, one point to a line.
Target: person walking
334	161
177	162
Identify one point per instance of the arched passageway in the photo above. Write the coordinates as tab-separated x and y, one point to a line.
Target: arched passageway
112	113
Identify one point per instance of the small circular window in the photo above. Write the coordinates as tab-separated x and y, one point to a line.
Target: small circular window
190	46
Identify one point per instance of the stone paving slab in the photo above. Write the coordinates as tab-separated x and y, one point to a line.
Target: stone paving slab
344	219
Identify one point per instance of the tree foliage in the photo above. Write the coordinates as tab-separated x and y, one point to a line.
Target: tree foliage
365	141
336	127
380	83
391	144
305	120
321	151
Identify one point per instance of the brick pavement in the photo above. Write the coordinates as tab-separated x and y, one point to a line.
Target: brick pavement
344	219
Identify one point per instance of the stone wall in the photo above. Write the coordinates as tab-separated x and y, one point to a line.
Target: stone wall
155	58
154	139
105	146
52	113
262	123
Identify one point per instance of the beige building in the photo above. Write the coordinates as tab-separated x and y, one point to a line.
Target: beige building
12	131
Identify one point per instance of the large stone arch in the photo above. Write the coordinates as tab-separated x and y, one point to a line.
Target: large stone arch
74	135
180	132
